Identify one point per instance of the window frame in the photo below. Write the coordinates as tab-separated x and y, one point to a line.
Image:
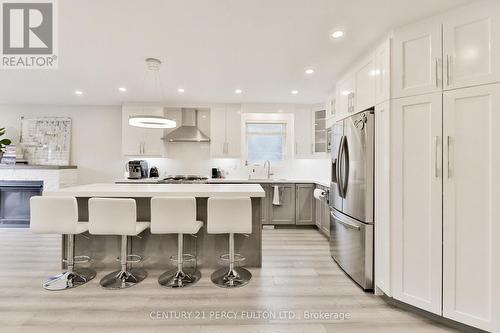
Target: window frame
286	119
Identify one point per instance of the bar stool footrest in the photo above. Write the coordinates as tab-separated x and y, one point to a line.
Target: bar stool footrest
132	258
239	260
187	257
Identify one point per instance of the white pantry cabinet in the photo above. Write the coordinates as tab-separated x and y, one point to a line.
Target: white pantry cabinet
382	196
471	239
364	78
417	59
344	96
225	131
138	141
382	72
471	45
416	201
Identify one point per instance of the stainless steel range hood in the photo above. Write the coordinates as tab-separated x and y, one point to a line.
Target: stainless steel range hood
188	131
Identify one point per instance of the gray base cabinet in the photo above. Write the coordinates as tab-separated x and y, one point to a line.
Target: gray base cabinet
304	204
323	213
284	213
297	205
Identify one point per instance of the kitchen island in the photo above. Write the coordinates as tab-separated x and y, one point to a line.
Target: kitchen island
157	249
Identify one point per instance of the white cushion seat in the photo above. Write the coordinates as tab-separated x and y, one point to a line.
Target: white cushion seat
109	216
55	215
229	215
174	215
141	226
82	227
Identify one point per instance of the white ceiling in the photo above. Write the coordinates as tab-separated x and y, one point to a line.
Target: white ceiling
209	48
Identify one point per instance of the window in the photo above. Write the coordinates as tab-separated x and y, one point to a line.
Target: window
265	141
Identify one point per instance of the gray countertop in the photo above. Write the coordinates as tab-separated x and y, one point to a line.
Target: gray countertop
36	167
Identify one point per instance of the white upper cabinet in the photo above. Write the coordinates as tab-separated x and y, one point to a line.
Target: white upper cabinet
382	72
471	243
344	97
382	195
225	131
416	201
141	141
303	131
471	40
364	78
417	59
320	142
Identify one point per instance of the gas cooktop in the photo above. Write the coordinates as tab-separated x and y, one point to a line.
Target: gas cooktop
183	179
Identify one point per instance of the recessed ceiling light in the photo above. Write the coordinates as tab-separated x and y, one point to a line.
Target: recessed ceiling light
309	71
180	90
294	92
338	34
238	91
122	89
78	92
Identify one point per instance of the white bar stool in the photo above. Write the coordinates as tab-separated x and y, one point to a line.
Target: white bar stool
230	216
176	215
117	217
59	215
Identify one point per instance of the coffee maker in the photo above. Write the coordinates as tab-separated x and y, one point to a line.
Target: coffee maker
137	169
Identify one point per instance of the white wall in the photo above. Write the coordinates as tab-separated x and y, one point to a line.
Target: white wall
96	138
96	145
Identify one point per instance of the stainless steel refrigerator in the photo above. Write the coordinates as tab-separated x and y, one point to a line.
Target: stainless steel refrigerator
352	196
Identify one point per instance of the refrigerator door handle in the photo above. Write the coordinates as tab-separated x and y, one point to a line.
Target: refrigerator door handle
345	167
345	223
339	167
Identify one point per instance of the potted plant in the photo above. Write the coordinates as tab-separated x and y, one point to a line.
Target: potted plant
3	142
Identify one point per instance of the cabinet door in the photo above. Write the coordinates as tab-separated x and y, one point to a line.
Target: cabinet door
320	141
217	131
416	190
471	240
284	213
325	220
417	54
304	204
233	132
303	131
141	141
382	72
364	77
382	198
318	213
344	95
471	40
265	204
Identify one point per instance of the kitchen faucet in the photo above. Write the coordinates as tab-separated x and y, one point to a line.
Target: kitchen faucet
269	173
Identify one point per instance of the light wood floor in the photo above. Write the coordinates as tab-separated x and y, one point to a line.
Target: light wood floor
297	275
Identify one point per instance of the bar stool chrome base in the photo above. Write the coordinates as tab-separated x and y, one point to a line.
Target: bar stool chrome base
69	280
227	278
123	279
179	279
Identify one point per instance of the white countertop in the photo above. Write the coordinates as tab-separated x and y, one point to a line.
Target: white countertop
151	190
231	181
267	181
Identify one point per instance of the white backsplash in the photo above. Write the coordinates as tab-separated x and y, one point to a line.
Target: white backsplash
194	158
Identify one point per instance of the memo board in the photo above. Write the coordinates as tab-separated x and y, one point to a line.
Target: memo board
46	140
